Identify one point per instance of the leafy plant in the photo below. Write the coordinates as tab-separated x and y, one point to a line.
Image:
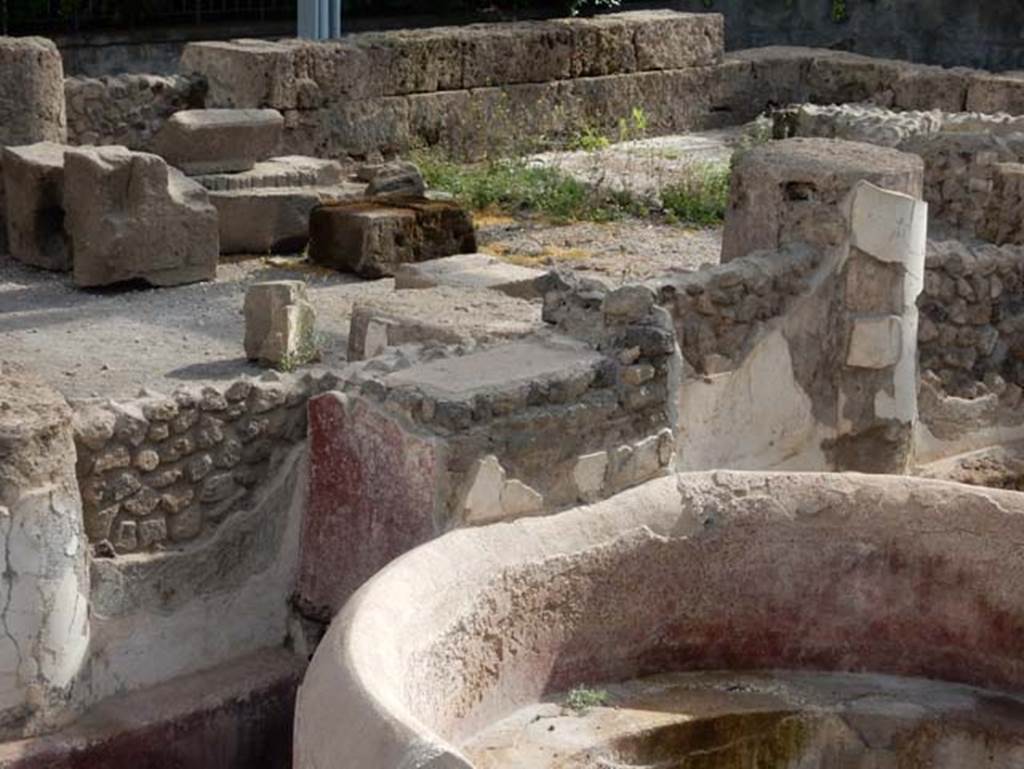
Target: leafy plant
840	12
576	7
581	699
700	197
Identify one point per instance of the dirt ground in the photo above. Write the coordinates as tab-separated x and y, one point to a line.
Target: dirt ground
111	343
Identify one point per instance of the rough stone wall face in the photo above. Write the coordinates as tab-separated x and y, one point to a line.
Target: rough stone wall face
718	311
127	109
961	172
971	331
162	471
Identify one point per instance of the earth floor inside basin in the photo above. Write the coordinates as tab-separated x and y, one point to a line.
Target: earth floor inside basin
761	720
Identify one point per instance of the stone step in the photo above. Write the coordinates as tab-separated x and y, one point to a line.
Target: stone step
289	171
474	272
211	141
443	315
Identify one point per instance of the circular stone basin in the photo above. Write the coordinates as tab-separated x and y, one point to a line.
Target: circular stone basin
761	720
705	571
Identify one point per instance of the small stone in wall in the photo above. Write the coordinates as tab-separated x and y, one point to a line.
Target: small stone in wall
152	531
127	536
279	324
185	525
589	475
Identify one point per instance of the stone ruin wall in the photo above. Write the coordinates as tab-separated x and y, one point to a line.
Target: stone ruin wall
971	333
127	109
163	471
719	310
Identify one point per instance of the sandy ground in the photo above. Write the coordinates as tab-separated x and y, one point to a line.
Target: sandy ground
112	343
643	167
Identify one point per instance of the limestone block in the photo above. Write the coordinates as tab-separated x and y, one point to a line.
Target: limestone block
31	92
279	323
35	212
245	73
473	271
372	239
273	220
130	216
287	171
443	315
671	40
875	343
211	141
396	179
889	226
991	93
589	474
793	190
489	495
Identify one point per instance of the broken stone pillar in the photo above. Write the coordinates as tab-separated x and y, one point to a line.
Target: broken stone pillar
35	216
279	324
130	216
212	141
31	99
45	590
792	191
882	279
373	239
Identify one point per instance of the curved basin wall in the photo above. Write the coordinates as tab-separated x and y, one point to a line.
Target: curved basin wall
698	571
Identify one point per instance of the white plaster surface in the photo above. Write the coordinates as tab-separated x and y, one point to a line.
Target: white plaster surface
875	342
756	417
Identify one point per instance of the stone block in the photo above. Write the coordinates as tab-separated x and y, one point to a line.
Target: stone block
35	213
372	239
671	40
280	323
473	272
288	171
32	107
443	315
211	141
273	220
875	343
523	52
396	179
992	93
245	74
793	191
130	216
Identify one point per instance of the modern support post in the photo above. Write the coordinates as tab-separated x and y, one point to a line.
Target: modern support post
320	19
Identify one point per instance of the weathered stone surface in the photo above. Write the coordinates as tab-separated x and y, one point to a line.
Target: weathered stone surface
443	315
372	240
31	92
396	179
44	556
473	271
211	141
273	220
286	171
35	209
279	323
782	532
791	191
372	493
130	216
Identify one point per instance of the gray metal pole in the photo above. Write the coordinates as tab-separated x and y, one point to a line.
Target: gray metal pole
319	19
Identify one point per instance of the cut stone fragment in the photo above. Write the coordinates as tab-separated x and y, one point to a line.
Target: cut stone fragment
287	171
473	271
130	216
373	239
35	214
398	178
279	323
443	315
273	219
212	141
